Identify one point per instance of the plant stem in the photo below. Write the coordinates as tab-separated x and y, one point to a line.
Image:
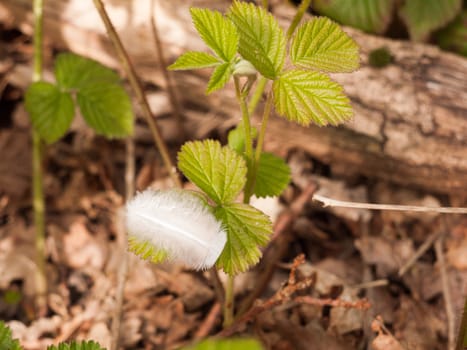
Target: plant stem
462	337
298	17
37	185
229	302
257	94
137	88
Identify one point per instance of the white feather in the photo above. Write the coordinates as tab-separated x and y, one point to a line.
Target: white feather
180	223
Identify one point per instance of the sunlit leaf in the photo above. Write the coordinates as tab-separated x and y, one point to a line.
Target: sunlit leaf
6	340
74	345
371	16
262	40
219	171
50	109
248	229
424	16
217	31
272	177
226	344
321	44
194	60
306	96
219	77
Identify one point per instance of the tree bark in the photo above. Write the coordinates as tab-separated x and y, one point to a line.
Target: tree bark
410	124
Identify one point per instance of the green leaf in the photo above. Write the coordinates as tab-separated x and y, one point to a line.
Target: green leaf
371	16
262	40
321	44
424	16
247	230
236	137
454	36
272	177
6	340
305	96
218	32
226	344
219	171
146	250
74	345
75	72
50	109
194	60
107	109
219	77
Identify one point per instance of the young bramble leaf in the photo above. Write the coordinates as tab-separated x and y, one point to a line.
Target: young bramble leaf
107	109
194	60
321	44
424	16
146	250
50	109
272	177
226	344
74	345
219	77
218	32
371	16
75	72
236	138
247	229
305	96
262	40
6	339
219	171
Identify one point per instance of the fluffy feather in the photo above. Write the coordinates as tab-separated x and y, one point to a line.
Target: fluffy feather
178	222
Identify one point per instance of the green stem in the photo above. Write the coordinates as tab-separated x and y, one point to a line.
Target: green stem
462	337
241	97
298	17
257	94
229	302
37	183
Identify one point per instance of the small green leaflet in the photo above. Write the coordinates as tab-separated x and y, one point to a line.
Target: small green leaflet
74	345
247	229
272	177
107	109
226	344
194	60
75	72
219	171
50	109
236	138
219	77
424	16
322	45
306	96
146	250
262	40
371	16
218	32
6	340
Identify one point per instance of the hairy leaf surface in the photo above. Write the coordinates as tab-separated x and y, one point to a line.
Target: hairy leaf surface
247	230
262	40
305	96
217	31
194	60
219	171
272	177
219	77
321	44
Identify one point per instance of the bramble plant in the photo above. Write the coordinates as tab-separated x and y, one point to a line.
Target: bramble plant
246	43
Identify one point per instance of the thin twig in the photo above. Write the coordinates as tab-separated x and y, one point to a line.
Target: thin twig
329	202
217	284
177	112
420	251
361	304
209	322
123	245
137	88
446	293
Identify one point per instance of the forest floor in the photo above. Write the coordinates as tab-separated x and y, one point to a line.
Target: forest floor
410	267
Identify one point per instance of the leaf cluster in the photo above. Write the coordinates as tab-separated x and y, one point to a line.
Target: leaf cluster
303	91
94	88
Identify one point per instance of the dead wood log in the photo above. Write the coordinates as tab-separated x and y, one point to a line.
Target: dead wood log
410	123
